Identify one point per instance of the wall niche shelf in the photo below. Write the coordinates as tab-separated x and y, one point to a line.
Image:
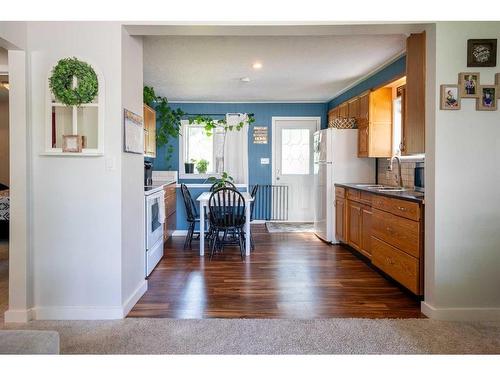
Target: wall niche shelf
86	120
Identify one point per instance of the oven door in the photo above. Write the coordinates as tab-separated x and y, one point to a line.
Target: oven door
154	229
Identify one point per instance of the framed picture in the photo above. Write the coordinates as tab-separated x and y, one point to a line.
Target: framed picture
469	85
72	143
133	132
481	52
487	100
450	97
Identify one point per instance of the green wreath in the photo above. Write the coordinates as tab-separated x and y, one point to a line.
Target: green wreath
61	82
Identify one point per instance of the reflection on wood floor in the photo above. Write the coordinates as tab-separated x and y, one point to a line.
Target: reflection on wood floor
289	275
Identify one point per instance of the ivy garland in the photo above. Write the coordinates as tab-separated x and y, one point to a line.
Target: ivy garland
61	82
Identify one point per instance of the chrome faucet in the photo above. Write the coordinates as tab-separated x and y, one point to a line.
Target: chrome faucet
399	177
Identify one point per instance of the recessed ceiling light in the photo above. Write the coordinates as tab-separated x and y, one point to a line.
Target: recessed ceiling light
257	65
245	79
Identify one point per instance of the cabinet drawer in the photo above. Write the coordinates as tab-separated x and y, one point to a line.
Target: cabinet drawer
366	198
353	194
400	266
410	210
340	192
397	231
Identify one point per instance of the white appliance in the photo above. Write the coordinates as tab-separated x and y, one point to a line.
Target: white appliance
336	161
155	208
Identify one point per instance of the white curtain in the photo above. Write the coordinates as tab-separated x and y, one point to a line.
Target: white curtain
236	149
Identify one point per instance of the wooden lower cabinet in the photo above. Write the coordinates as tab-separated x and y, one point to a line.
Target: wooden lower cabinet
366	238
170	211
340	218
396	263
388	231
354	224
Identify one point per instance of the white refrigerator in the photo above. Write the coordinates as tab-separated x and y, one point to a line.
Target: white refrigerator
336	161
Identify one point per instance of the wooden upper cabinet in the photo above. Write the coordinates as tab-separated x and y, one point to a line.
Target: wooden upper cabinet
375	124
413	130
343	110
332	115
353	108
363	107
149	131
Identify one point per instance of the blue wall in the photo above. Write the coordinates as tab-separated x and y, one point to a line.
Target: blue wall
263	112
391	71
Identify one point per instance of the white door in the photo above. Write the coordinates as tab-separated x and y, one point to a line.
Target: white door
293	163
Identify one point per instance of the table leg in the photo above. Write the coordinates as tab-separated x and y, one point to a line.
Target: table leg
202	229
247	230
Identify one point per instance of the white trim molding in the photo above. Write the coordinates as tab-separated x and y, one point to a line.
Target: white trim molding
18	316
461	313
78	312
134	297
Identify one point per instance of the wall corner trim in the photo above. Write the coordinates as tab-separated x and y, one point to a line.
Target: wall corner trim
461	313
18	316
134	297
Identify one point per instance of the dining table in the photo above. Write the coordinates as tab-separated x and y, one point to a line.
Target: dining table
203	201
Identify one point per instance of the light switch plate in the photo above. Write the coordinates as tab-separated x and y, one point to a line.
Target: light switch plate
264	160
110	163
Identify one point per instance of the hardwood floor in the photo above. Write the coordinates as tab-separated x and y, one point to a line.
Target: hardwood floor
289	275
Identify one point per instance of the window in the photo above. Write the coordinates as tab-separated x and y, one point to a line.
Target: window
295	151
196	145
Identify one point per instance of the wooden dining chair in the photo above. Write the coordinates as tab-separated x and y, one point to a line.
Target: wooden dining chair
226	211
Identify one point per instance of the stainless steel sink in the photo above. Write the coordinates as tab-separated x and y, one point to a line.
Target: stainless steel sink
392	189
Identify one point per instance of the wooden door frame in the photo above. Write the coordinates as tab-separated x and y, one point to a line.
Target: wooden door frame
274	119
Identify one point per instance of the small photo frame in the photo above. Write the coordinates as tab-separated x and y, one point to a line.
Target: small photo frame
72	143
487	100
469	84
450	97
481	52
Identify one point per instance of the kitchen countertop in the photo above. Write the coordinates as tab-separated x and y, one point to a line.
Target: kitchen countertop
408	195
157	185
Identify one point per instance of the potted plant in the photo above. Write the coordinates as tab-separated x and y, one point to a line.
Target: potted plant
221	182
189	167
202	166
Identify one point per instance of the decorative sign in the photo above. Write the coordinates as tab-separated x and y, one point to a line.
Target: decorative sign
134	133
260	135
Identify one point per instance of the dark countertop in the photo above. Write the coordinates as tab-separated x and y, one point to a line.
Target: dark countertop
408	195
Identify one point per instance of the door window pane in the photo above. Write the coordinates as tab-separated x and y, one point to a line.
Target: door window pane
295	158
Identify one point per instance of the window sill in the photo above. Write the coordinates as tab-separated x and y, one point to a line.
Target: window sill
196	176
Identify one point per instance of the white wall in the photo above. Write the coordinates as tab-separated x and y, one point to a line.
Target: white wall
77	200
133	256
462	187
4	139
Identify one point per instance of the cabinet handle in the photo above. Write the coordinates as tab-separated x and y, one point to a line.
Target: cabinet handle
389	229
401	208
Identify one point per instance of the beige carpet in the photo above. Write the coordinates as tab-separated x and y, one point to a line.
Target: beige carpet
278	336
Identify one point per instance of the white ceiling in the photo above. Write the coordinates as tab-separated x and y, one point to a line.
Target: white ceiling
295	68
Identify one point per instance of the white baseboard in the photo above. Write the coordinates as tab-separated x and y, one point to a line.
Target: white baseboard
78	313
461	313
18	316
134	297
